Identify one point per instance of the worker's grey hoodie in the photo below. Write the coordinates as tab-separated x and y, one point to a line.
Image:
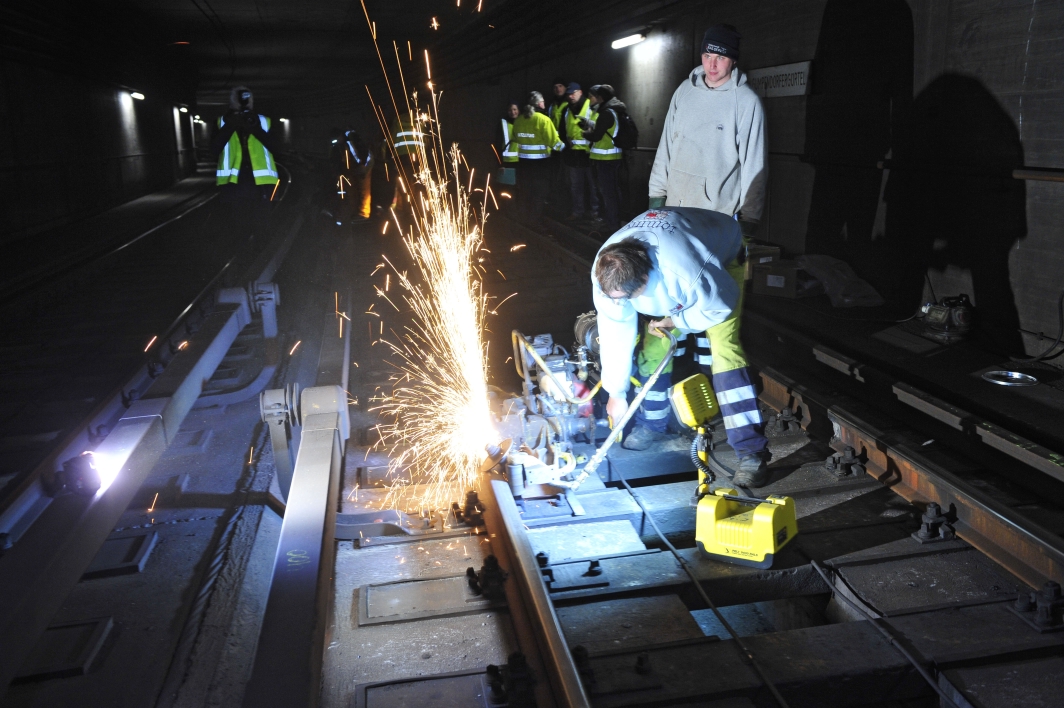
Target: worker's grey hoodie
690	250
712	153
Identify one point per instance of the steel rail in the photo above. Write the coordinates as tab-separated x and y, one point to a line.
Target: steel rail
893	456
38	572
561	669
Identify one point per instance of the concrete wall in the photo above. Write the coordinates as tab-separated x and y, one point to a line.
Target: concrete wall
953	94
95	149
73	141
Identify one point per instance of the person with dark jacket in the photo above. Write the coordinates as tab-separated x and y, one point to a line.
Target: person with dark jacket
575	157
599	130
247	171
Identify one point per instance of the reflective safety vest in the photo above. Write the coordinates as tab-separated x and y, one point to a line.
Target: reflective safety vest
406	139
509	148
263	166
536	137
604	149
556	114
572	127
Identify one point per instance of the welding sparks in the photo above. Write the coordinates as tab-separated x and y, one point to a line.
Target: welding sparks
151	343
152	507
251	454
434	24
294	347
439	418
436	413
516	247
182	345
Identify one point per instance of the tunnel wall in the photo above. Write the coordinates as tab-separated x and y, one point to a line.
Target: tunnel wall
74	142
954	95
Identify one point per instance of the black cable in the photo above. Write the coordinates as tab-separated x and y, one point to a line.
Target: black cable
745	651
1060	334
886	635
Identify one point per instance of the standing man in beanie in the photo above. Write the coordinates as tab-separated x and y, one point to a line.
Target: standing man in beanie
712	153
577	162
605	155
712	156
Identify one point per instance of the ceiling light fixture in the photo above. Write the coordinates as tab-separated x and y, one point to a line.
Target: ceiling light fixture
183	109
137	95
628	41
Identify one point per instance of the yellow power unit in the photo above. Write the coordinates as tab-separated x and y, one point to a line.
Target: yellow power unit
693	401
744	530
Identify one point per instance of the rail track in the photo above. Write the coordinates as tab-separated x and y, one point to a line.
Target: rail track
879	601
600	598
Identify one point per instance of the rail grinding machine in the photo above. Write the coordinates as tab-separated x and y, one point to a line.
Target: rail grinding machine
557	411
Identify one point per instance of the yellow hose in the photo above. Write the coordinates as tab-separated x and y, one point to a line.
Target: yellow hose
519	338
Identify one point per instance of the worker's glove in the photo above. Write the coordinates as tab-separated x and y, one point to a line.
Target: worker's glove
584	123
749	228
657	202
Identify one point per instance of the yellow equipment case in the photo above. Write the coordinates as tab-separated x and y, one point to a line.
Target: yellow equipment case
744	530
729	527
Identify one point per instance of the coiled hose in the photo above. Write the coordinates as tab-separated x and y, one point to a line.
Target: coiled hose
699	464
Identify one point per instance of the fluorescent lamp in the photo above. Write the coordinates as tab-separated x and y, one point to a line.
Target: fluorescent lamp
183	109
628	41
137	95
284	120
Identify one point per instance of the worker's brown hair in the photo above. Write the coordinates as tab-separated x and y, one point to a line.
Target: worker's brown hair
624	266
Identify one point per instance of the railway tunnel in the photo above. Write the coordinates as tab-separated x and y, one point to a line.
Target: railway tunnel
828	475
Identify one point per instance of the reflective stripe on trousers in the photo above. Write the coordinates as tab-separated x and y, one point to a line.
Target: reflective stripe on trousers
654	412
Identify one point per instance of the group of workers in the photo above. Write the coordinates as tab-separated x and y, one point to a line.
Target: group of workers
585	130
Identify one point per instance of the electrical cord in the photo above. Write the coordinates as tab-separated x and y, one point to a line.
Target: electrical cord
1060	334
747	655
886	635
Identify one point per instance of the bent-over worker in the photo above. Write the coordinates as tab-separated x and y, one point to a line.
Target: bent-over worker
677	265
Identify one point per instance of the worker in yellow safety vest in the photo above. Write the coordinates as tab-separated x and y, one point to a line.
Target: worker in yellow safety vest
600	130
247	169
508	147
244	133
577	164
536	139
559	103
408	145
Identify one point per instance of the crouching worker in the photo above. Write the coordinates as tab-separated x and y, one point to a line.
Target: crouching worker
678	266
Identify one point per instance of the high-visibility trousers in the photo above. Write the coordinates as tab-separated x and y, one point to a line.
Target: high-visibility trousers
720	355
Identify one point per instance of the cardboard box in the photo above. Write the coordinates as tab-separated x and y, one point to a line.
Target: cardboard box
784	279
758	254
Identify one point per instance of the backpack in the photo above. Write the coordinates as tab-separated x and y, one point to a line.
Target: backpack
627	134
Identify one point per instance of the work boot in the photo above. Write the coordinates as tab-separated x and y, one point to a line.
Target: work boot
753	470
642	438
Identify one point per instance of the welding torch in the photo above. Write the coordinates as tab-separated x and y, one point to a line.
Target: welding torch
596	460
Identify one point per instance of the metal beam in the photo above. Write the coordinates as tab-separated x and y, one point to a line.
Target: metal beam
287	669
38	573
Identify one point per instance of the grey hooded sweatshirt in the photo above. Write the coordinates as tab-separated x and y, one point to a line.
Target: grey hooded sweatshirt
712	153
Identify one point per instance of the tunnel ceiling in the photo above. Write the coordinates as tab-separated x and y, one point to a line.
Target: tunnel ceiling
300	57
